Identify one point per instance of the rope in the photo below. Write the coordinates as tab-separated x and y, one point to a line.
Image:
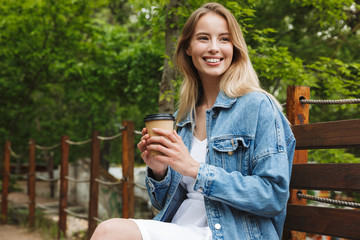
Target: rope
43	206
340	101
47	179
137	132
14	154
78	215
112	137
47	148
139	186
97	219
48	206
78	143
108	183
328	200
109	138
76	180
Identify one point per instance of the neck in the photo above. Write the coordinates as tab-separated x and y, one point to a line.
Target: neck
210	91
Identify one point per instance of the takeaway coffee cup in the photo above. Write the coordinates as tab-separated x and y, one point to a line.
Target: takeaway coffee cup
159	120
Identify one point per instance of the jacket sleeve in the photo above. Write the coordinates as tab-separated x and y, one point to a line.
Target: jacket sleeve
157	190
265	191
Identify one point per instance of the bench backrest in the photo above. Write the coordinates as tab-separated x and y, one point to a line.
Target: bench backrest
338	222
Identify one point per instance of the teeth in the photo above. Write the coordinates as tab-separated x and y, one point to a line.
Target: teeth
212	60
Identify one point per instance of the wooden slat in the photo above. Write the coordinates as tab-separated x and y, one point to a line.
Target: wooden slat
342	177
326	221
335	134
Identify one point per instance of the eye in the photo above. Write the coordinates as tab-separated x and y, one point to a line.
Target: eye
225	39
203	38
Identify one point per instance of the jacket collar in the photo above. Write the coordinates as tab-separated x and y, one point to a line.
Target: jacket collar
222	101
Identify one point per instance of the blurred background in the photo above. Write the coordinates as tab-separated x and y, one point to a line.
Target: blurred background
69	67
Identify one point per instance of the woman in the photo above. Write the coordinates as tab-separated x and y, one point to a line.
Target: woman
225	172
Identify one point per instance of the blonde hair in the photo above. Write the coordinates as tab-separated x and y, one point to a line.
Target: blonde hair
239	79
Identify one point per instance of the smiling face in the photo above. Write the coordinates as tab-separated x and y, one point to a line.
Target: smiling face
210	47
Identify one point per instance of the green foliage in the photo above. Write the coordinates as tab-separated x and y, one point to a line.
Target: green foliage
70	67
68	73
332	155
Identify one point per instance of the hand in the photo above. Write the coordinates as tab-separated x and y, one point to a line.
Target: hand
158	168
175	153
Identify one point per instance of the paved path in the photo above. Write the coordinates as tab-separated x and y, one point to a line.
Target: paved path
12	232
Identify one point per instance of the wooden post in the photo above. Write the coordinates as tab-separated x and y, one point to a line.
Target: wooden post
297	113
31	182
50	169
94	186
5	186
64	172
128	198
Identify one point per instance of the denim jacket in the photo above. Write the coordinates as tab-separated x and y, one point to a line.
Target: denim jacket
245	179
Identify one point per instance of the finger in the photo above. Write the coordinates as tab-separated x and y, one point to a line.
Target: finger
160	140
163	159
145	137
161	148
142	145
144	156
165	133
177	135
143	131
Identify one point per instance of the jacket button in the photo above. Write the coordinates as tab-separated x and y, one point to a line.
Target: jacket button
217	226
230	153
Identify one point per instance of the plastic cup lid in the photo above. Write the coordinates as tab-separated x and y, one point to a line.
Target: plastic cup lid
159	116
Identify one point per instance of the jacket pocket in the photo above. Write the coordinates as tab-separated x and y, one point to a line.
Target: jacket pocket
230	153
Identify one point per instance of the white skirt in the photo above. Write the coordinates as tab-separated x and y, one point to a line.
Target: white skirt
156	230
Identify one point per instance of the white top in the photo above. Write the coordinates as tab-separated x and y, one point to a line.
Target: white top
190	220
192	210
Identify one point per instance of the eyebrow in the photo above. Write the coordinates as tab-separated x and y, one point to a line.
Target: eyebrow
204	33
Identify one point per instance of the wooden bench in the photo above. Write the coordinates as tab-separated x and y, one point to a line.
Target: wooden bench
330	221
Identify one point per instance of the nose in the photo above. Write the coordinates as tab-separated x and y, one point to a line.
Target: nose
213	47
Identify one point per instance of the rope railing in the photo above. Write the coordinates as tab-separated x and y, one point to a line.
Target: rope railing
112	137
328	102
46	179
300	194
107	183
74	214
98	219
138	132
13	154
140	186
42	206
78	143
127	132
76	180
340	101
46	148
